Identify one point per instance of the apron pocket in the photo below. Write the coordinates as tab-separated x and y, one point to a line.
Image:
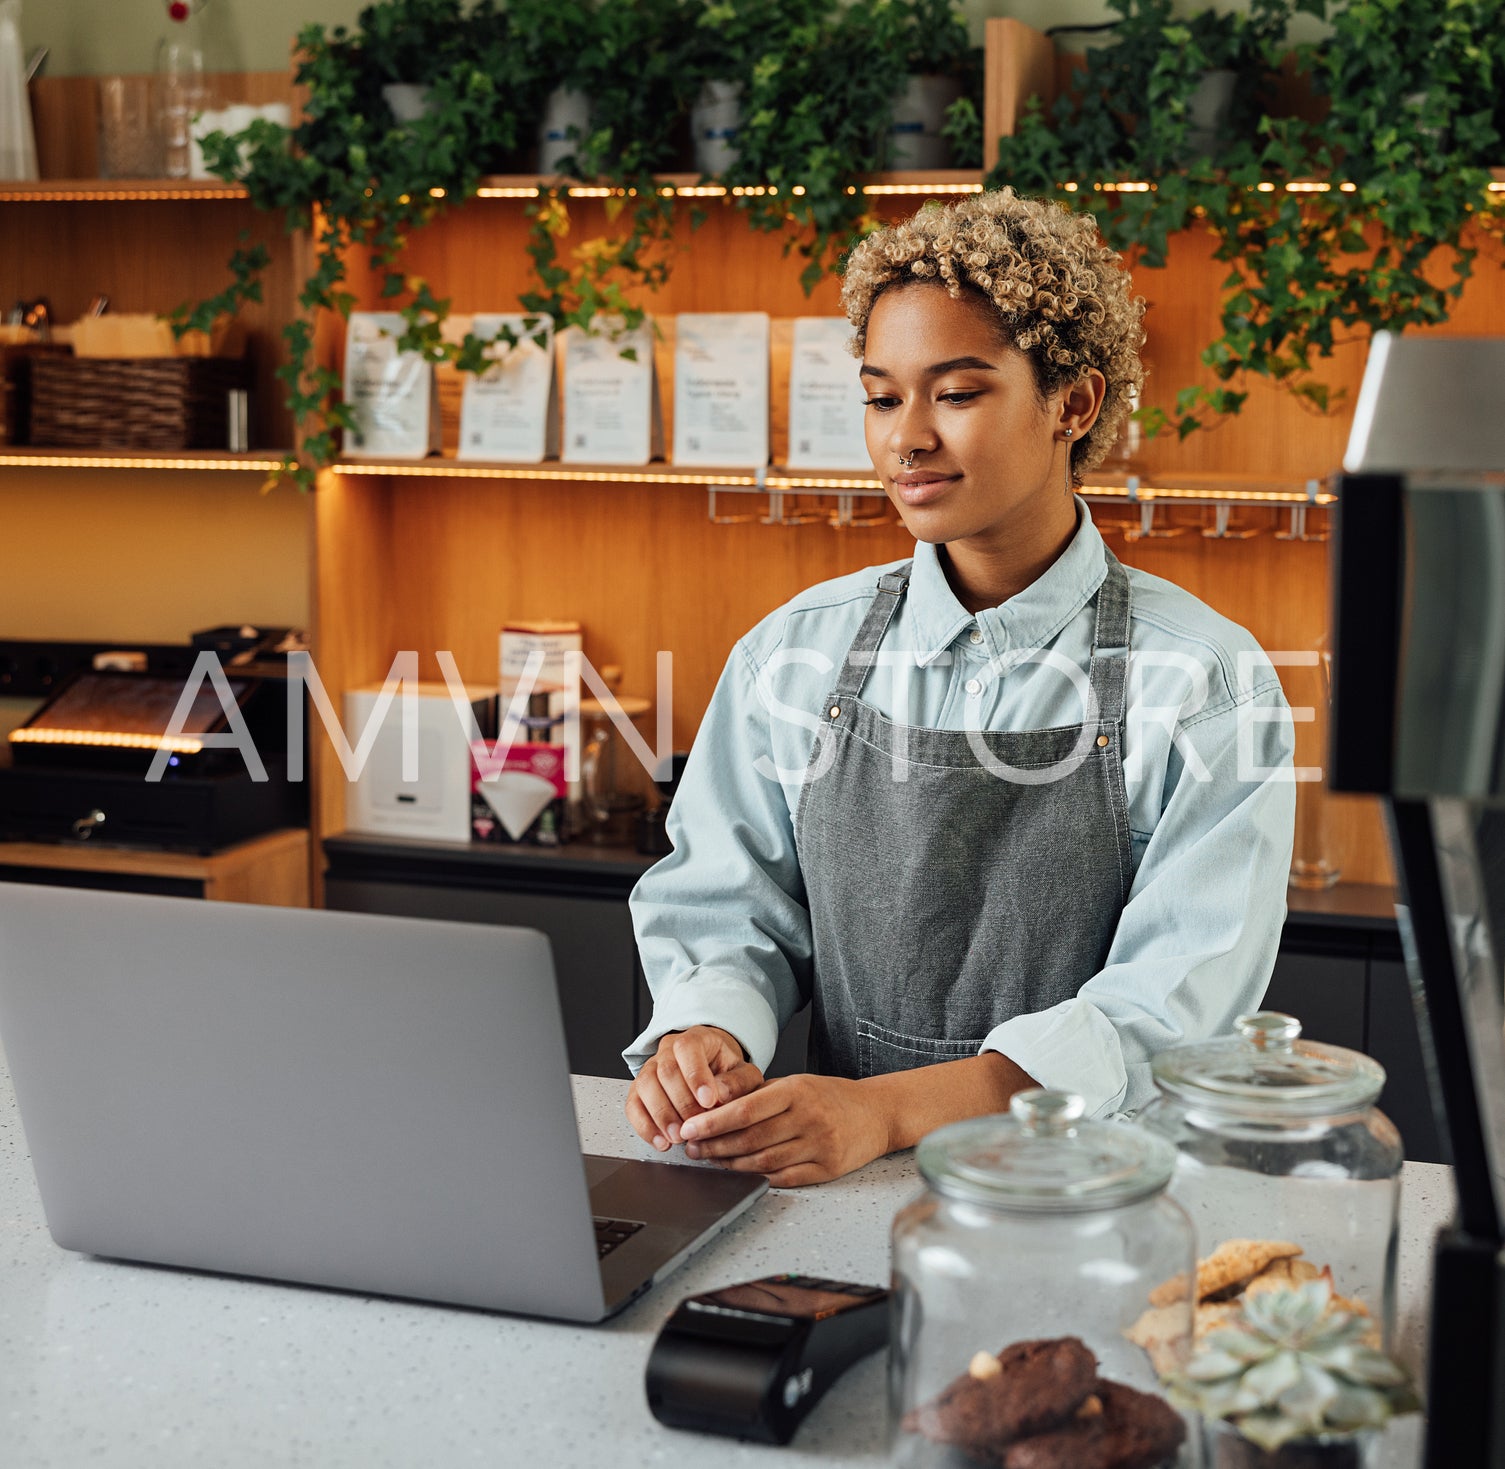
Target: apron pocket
880	1050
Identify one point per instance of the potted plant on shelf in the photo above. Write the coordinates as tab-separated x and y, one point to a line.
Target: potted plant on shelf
941	69
1141	111
732	39
637	61
549	37
408	43
815	114
1291	1383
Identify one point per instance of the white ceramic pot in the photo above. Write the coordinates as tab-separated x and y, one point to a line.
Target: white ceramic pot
407	100
1207	111
714	120
914	135
565	125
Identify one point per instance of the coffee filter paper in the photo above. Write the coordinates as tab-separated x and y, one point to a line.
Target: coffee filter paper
517	798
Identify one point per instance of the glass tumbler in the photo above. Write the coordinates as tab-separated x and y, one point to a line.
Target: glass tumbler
130	144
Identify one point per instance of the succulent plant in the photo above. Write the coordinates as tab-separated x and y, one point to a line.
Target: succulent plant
1294	1365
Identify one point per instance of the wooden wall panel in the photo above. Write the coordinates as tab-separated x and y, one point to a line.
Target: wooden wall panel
1274	434
356	626
1020	63
643	568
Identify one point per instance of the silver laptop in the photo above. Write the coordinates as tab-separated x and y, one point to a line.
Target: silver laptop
337	1099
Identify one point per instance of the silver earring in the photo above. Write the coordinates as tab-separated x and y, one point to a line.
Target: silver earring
1068	435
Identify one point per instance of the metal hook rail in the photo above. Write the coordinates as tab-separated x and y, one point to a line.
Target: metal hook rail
785	492
789	490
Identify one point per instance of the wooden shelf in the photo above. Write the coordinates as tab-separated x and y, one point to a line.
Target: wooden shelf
260	461
266	869
1350	904
493	186
917	183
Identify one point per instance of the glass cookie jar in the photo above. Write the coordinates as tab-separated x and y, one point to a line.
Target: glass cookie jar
1285	1165
1022	1278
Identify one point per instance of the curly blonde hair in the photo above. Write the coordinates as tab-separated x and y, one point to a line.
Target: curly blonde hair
1062	296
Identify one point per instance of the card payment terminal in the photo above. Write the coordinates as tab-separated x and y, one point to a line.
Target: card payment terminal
749	1361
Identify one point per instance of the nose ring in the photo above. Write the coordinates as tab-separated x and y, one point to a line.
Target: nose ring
909	462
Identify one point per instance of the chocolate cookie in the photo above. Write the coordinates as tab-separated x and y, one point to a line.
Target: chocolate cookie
1038	1384
1133	1430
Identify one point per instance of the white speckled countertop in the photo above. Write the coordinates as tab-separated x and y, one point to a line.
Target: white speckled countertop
137	1367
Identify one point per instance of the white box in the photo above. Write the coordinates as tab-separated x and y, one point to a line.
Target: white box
521	637
436	805
721	388
826	413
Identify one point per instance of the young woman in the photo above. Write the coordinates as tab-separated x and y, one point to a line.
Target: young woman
1007	814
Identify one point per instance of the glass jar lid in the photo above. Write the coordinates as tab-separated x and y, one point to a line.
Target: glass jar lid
1266	1067
1045	1157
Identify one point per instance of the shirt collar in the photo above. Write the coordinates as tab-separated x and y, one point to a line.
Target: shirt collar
1026	621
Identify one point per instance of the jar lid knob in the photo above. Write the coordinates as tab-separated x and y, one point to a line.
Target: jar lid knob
1040	1112
1269	1030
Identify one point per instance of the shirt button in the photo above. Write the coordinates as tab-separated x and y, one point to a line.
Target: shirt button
975	636
974	686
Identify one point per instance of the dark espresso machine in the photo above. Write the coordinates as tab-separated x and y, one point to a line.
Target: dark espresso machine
1419	719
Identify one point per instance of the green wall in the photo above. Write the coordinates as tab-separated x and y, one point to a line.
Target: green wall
89	37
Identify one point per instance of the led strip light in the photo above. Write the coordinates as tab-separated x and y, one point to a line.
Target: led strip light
174	744
787	480
42	460
74	191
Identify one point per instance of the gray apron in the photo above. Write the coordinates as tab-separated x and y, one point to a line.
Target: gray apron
948	900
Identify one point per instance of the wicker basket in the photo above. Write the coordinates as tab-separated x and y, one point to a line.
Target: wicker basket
16	361
133	402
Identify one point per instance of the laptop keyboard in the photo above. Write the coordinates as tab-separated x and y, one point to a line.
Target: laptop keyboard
611	1232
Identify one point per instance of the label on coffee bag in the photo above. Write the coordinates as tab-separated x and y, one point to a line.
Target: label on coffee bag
392	395
721	388
611	407
826	412
511	411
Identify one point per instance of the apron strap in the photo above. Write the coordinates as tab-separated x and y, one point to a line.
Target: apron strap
880	613
1109	669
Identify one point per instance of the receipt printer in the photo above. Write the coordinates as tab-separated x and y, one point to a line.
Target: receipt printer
749	1361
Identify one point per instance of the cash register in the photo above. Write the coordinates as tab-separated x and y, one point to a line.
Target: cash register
110	756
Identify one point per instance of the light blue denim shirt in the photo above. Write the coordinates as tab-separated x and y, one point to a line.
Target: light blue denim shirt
722	925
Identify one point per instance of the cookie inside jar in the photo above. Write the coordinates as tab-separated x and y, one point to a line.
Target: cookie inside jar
1279	1142
1043	1405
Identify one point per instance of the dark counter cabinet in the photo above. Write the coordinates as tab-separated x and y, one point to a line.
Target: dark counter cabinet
576	894
1342	973
1340	968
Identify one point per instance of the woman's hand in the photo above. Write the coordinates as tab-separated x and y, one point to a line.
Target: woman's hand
692	1070
796	1130
809	1129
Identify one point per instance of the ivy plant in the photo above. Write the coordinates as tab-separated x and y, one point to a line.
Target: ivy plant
815	110
640	63
357	179
1396	169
